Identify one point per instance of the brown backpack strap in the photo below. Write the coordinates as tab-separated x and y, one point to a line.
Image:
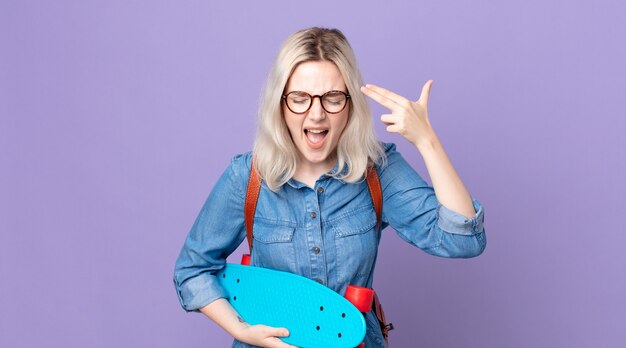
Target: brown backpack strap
380	315
254	187
252	196
376	192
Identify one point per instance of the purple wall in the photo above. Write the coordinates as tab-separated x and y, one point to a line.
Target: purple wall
117	119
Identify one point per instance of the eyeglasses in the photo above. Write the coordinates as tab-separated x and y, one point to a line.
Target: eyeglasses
333	102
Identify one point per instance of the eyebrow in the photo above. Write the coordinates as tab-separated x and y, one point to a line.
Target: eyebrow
299	90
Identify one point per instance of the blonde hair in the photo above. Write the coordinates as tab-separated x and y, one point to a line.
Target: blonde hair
274	152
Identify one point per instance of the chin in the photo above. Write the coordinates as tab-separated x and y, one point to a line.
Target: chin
315	157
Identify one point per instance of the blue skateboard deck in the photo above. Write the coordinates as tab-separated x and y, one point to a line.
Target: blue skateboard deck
315	315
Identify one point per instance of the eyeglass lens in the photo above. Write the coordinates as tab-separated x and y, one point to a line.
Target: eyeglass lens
300	102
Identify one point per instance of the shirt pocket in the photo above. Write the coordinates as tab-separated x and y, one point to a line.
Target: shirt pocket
356	244
273	246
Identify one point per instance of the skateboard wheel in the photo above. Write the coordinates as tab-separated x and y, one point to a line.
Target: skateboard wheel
360	297
245	259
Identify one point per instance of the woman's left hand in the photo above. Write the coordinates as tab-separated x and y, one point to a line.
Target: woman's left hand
409	118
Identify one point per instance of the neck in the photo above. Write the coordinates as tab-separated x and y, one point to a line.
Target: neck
308	173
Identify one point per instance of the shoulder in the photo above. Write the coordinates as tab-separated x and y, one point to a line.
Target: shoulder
389	148
391	156
394	165
241	163
238	171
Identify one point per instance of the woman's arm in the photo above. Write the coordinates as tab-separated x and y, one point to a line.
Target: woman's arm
224	315
411	207
448	186
215	234
410	119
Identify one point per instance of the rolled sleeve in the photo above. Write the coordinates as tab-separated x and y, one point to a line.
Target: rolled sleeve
411	207
455	223
198	292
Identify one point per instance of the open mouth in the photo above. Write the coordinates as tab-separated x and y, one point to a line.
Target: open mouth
315	137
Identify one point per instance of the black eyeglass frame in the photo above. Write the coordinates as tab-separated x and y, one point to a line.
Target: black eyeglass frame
311	97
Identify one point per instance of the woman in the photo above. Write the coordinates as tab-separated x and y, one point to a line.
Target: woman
314	215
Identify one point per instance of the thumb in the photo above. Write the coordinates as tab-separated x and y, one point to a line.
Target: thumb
426	92
280	332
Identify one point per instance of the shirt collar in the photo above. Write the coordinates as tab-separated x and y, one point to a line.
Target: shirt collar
330	175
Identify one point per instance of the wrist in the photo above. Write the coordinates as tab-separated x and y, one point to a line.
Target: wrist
428	144
239	329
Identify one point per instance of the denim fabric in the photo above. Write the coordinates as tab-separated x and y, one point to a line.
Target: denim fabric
326	233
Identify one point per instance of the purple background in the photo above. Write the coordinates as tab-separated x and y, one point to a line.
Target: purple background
118	117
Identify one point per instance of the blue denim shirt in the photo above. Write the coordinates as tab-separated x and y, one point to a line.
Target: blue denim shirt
326	233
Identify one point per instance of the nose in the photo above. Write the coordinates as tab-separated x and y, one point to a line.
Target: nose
316	112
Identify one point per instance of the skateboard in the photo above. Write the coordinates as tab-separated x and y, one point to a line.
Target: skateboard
315	315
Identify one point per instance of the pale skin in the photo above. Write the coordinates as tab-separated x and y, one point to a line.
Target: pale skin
407	118
316	78
410	119
228	319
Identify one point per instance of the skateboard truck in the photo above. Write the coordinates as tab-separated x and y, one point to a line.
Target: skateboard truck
245	259
361	298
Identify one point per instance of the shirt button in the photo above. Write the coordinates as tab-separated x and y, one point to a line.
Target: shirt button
316	250
320	189
313	215
319	281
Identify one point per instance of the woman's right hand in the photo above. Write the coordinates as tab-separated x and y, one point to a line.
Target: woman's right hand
264	336
221	312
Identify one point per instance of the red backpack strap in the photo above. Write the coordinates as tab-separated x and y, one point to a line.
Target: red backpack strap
252	196
376	192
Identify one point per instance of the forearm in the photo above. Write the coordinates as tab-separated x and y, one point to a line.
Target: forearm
224	315
448	186
410	119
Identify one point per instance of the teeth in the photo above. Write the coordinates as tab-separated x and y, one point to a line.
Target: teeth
316	131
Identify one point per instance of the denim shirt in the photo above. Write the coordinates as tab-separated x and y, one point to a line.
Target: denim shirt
326	233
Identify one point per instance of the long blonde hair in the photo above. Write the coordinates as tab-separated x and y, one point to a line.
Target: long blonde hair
274	152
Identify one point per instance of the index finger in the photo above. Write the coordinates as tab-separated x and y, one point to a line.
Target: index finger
398	99
380	99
